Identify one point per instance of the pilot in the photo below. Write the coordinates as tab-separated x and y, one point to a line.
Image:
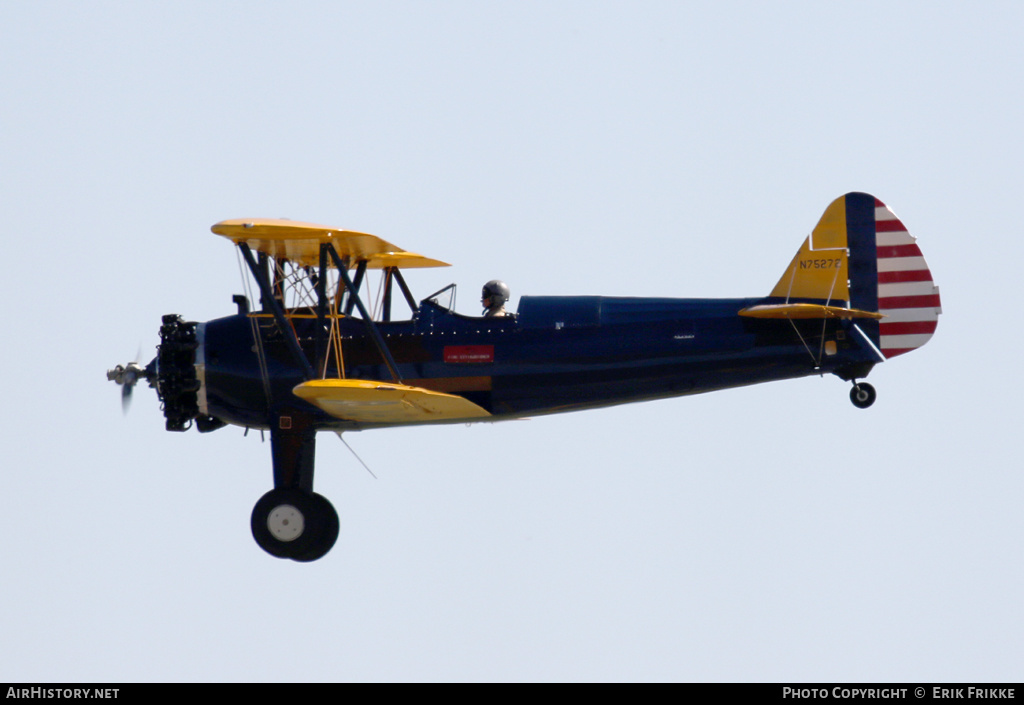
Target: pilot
494	296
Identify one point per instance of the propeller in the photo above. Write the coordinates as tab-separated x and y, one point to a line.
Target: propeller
128	376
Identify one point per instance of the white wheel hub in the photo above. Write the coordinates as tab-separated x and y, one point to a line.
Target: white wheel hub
285	522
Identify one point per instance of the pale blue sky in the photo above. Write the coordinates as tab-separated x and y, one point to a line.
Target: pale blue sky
643	148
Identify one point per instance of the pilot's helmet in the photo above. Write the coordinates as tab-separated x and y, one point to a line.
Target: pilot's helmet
497	291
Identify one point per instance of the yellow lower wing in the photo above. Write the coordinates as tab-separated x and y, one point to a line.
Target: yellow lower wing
385	402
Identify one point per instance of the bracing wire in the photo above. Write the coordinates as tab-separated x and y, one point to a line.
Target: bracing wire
817	362
824	321
340	438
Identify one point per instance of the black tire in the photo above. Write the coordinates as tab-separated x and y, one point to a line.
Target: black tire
862	395
330	527
287	522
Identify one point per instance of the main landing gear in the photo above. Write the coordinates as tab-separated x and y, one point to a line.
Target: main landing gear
862	395
292	521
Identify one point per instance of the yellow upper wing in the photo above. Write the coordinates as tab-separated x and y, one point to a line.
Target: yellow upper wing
300	243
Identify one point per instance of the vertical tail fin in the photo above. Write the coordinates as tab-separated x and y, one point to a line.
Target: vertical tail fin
861	256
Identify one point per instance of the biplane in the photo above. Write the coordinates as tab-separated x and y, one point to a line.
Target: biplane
302	353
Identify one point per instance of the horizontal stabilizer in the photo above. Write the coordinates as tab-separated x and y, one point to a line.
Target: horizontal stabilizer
805	311
367	401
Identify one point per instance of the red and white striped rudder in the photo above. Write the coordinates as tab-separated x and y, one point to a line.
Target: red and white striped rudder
907	295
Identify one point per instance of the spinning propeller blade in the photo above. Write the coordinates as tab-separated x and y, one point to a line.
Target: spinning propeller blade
126	397
128	376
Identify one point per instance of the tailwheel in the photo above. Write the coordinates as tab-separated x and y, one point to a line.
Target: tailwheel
862	395
293	523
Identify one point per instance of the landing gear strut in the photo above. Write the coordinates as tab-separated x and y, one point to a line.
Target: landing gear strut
292	521
862	395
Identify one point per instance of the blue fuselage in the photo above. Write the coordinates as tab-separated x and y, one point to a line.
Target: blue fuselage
556	354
